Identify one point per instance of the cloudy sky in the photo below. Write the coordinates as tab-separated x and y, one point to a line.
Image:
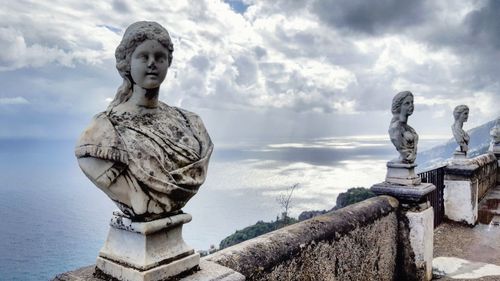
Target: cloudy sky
256	70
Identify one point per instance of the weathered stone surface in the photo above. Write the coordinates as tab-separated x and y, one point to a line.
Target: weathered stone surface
406	265
404	193
363	254
460	201
148	157
489	207
466	182
145	245
459	155
345	244
460	269
421	239
208	271
81	274
478	244
402	174
473	168
461	114
495	139
157	273
402	135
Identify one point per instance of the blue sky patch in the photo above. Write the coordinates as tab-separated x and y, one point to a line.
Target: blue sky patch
237	5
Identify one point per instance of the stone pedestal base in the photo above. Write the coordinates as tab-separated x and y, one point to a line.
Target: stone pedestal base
209	271
420	217
421	239
126	273
460	201
404	193
495	149
459	155
403	174
146	251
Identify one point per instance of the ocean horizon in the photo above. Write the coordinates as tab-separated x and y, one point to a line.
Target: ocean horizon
55	220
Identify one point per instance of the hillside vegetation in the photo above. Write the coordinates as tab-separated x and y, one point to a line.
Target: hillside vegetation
351	196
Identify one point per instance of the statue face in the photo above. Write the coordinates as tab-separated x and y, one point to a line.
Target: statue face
407	106
149	64
464	116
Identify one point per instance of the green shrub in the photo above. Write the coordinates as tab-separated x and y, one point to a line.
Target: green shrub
254	230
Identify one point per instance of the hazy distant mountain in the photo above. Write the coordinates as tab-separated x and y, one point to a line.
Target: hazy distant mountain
479	143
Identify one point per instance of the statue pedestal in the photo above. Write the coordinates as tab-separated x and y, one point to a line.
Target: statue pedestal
407	194
417	224
459	155
403	174
495	149
146	251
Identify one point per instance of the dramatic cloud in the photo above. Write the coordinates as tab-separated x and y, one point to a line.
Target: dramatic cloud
373	17
260	68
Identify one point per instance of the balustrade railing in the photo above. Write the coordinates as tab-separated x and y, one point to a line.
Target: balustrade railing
436	177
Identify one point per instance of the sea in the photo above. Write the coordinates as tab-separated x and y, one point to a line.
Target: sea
53	219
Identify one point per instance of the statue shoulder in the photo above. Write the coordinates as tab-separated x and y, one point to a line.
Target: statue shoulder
198	128
97	131
395	129
193	119
100	140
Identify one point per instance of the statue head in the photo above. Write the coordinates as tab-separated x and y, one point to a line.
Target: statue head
402	103
461	113
136	34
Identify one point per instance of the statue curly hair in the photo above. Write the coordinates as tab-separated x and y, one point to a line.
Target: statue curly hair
136	34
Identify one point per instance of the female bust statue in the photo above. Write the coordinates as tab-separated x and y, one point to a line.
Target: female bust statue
403	136
461	114
148	157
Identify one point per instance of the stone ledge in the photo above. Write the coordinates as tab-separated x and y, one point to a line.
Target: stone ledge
263	253
404	193
209	271
468	168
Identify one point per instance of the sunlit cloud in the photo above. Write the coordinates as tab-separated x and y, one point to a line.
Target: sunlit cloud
280	59
13	101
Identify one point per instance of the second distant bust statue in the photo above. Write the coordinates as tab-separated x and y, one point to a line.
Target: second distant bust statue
148	157
461	114
404	137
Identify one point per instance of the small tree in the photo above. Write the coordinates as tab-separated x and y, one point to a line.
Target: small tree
353	195
285	201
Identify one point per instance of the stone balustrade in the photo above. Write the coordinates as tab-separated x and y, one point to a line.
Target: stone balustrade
365	236
466	182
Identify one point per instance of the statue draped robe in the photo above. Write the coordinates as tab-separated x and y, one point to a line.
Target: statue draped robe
461	137
159	159
405	139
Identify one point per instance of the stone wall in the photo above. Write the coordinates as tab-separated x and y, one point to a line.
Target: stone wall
480	170
466	182
487	174
358	242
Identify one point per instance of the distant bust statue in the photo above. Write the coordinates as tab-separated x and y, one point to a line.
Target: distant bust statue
461	114
495	138
148	157
403	136
495	133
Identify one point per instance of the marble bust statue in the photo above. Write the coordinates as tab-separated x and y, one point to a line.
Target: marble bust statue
495	138
495	132
148	157
403	136
461	114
